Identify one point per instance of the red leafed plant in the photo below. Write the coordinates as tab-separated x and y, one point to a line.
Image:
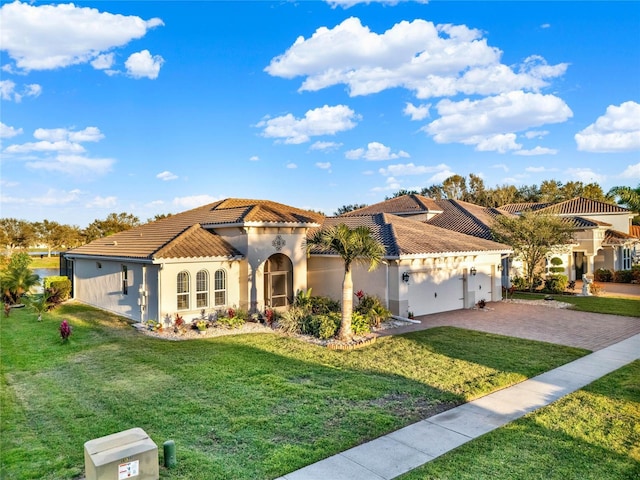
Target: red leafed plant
231	313
269	314
360	294
179	320
65	330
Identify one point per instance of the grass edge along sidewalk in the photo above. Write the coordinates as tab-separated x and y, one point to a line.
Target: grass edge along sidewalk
242	407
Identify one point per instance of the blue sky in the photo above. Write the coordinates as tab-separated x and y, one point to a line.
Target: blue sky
157	107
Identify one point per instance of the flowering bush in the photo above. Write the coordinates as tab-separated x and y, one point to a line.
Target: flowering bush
65	330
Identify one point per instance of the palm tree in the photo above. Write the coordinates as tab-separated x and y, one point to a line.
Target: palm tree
628	196
355	245
16	282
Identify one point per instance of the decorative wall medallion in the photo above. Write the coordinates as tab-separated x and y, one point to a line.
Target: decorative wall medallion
278	243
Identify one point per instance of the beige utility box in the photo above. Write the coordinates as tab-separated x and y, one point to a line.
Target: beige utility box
120	456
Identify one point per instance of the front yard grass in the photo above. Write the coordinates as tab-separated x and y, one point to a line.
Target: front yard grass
628	307
241	407
592	434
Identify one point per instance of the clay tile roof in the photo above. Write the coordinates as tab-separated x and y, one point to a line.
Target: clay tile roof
403	236
196	242
634	230
467	218
403	205
523	206
581	222
581	205
148	240
614	237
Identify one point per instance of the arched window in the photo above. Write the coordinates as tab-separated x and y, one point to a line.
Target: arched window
183	290
202	289
220	288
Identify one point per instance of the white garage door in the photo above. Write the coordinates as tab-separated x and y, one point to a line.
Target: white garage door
434	291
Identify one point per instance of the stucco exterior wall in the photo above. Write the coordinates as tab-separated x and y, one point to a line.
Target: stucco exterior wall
168	304
100	283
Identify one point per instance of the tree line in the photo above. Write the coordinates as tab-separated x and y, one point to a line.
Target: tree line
17	234
473	190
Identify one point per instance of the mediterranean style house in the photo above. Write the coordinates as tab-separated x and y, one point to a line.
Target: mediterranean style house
603	235
251	254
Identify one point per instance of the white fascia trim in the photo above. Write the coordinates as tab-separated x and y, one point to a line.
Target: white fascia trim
109	258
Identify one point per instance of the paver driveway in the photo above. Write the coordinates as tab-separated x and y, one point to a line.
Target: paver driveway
592	331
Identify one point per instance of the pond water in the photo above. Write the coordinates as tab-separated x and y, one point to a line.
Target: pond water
46	272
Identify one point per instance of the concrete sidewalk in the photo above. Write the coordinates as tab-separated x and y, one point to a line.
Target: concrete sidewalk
401	451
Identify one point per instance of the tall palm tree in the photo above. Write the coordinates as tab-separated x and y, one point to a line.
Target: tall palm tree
355	245
628	196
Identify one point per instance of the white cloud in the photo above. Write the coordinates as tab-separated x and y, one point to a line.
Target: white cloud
166	176
540	169
103	61
536	151
585	175
46	37
58	140
325	146
350	3
291	165
407	169
632	171
489	123
419	112
8	132
76	165
618	130
440	176
390	184
142	64
254	158
430	60
193	201
324	165
55	197
9	92
531	134
324	120
375	151
102	202
501	165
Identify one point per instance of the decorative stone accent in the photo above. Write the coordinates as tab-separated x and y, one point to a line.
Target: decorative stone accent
351	346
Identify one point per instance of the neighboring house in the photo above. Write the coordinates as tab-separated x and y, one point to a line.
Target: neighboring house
603	234
251	254
454	215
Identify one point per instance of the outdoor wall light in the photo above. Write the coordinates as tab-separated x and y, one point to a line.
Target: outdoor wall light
473	271
405	277
499	267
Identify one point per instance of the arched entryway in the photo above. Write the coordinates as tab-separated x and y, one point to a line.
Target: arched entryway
278	281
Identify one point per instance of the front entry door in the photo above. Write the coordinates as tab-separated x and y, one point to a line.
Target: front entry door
278	281
578	261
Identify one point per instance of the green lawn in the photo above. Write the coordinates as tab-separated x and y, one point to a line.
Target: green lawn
45	262
628	307
239	407
592	434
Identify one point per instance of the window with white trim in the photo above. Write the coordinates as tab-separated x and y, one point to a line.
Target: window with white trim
626	259
220	288
182	290
202	289
125	280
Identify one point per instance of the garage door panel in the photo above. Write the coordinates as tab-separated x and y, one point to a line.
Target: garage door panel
435	291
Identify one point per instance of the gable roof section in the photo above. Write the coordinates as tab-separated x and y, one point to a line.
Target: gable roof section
403	236
615	238
574	206
467	218
403	205
167	237
634	231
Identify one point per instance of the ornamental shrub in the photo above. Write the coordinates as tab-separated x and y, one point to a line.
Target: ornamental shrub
65	330
291	321
321	326
623	276
556	267
324	305
360	324
556	283
603	275
59	288
372	308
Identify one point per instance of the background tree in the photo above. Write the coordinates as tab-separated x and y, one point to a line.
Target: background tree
47	234
159	216
628	197
114	223
348	208
455	187
16	233
402	192
354	246
532	236
434	191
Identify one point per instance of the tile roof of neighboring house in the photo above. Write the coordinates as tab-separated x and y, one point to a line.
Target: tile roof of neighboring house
465	217
404	236
614	237
581	222
634	230
403	205
574	206
167	237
